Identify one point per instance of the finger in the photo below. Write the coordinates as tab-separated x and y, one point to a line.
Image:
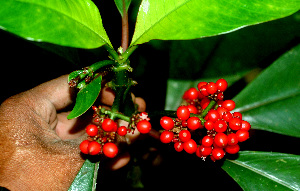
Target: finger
107	96
141	104
120	161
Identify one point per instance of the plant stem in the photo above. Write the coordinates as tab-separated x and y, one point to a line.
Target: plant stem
125	28
113	115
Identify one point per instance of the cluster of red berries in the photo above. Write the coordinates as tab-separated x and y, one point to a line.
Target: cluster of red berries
101	137
207	115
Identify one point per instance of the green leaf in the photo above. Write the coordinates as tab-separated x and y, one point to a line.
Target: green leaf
190	19
176	88
86	178
271	102
255	170
69	23
120	5
86	97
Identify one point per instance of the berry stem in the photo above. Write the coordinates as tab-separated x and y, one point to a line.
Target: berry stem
113	115
209	107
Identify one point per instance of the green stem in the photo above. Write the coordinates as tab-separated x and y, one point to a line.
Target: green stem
209	107
113	115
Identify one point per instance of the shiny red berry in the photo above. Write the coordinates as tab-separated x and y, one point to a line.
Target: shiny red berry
228	104
203	91
222	84
204	102
183	113
84	146
178	146
242	135
213	115
220	126
232	139
194	123
192	109
122	131
209	125
218	153
166	136
94	148
167	123
190	146
184	135
232	149
144	126
237	115
207	141
246	125
192	94
221	140
110	150
109	125
211	88
200	84
91	130
204	151
235	124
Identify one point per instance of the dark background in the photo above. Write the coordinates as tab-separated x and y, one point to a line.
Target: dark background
25	64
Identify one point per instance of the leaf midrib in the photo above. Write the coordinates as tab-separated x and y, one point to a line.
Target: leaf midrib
273	178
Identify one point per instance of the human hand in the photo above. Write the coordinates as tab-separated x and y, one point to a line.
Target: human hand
39	147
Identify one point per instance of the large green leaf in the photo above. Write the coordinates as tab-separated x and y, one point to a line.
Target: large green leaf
190	19
86	98
255	170
121	4
86	178
71	23
271	102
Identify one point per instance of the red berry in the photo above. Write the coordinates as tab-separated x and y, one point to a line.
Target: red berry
200	84
237	115
232	149
242	135
94	148
183	113
213	115
246	125
91	130
221	140
166	136
167	123
110	150
227	116
194	123
217	153
203	91
220	126
232	139
220	96
190	146
228	104
84	146
221	111
192	109
235	124
122	131
207	141
178	146
204	102
109	125
209	125
192	94
184	135
144	126
222	84
204	151
211	88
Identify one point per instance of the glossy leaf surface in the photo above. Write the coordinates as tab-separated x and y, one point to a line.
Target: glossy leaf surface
86	177
69	23
271	102
86	98
190	19
254	170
